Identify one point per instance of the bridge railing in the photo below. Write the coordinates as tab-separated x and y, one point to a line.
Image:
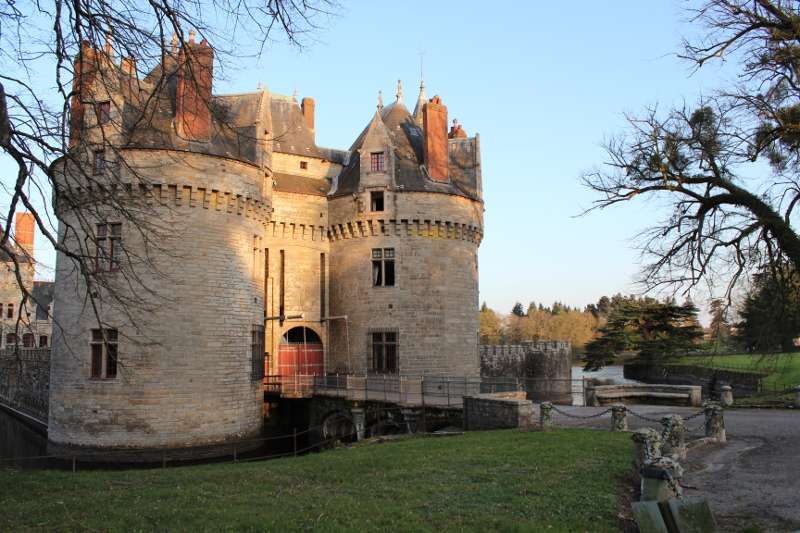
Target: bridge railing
423	390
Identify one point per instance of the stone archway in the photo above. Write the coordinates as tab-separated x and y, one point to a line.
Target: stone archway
300	353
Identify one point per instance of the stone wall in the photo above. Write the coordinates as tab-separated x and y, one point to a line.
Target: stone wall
434	301
25	380
546	365
498	411
743	383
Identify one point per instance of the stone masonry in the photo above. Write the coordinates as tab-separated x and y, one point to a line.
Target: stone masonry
258	228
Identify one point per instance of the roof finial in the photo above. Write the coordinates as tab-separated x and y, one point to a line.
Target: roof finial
399	94
380	100
174	42
295	92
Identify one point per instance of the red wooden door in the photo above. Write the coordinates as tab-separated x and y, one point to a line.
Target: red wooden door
299	359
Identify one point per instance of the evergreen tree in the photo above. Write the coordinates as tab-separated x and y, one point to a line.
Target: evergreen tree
654	331
719	331
517	310
771	312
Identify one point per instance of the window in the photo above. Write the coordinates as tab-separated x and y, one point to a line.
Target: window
257	352
11	339
103	112
28	340
104	353
383	267
377	162
109	247
10	311
99	165
303	165
384	351
43	341
1	310
376	201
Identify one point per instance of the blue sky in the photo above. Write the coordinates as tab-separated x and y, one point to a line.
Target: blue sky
542	82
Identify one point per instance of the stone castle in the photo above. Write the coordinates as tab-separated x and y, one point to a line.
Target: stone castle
272	251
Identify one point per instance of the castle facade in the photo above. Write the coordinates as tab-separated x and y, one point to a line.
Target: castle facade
272	254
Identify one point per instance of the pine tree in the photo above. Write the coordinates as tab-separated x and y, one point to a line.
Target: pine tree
517	310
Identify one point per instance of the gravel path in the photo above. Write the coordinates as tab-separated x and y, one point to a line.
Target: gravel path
752	482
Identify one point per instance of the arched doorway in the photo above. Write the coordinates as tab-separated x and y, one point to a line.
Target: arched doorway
300	353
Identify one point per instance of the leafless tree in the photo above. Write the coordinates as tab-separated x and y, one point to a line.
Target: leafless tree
729	168
39	82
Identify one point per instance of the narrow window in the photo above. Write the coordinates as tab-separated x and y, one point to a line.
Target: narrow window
377	162
282	299
383	267
43	341
109	247
322	272
99	349
384	352
28	340
257	352
10	311
103	112
376	201
11	339
303	165
99	165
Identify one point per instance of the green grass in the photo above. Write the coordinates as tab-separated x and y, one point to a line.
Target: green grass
783	370
567	480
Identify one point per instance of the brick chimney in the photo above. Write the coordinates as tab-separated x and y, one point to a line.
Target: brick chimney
24	225
307	105
434	123
193	94
85	69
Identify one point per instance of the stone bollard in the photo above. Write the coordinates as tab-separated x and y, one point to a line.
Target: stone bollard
646	446
715	423
661	480
546	416
619	417
726	395
359	421
673	437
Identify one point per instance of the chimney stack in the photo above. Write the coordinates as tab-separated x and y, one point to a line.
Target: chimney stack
85	71
128	66
307	105
434	120
24	229
193	94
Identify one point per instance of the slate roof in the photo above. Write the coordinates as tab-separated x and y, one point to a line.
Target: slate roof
410	172
291	135
300	184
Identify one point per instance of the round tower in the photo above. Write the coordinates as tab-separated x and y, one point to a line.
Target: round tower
171	211
406	221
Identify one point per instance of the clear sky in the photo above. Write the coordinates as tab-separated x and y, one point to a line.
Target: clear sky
542	82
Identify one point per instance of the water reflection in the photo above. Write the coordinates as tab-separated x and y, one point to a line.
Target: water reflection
18	441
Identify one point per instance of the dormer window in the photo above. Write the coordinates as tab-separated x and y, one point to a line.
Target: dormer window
377	162
303	165
103	112
376	201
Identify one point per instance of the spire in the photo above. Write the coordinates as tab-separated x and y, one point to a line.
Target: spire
399	94
420	103
380	100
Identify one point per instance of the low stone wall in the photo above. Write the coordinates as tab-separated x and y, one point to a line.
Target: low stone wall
549	363
710	379
497	411
648	394
25	380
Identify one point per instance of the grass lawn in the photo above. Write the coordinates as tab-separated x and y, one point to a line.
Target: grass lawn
567	480
783	369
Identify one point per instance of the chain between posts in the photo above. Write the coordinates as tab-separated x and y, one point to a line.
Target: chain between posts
570	415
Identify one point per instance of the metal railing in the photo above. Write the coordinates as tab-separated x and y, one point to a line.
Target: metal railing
444	391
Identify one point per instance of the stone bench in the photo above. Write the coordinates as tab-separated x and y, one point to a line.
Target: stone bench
689	395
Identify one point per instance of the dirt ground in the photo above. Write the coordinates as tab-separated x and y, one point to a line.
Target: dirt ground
752	482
